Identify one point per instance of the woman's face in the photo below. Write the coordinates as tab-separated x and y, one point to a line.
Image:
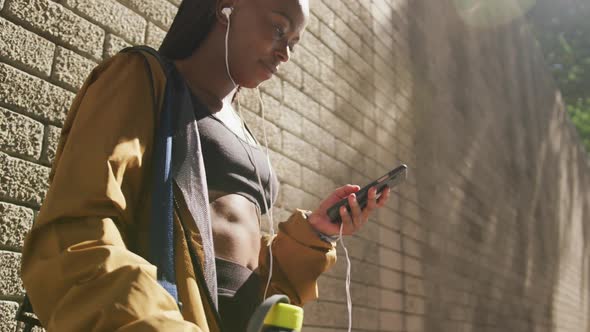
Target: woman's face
263	34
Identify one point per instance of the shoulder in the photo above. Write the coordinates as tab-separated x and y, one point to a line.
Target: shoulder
133	63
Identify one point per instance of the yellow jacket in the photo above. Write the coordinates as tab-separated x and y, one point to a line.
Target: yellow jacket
84	264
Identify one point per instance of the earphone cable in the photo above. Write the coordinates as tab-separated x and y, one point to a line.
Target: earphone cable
262	191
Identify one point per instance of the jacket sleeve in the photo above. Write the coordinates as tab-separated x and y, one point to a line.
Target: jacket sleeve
300	257
76	268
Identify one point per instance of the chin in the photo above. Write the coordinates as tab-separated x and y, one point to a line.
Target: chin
252	84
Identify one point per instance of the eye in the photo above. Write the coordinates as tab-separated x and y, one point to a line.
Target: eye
279	32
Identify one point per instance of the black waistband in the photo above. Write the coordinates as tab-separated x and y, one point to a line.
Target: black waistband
232	276
238	294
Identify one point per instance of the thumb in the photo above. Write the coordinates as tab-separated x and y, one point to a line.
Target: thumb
344	191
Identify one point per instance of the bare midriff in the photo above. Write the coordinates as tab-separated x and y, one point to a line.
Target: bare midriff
235	226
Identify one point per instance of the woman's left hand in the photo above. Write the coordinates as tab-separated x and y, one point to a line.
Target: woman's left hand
353	221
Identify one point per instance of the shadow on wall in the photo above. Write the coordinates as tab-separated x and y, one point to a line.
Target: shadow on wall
501	179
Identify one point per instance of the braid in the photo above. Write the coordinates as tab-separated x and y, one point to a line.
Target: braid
191	25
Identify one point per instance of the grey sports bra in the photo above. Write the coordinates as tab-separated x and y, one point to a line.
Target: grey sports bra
229	160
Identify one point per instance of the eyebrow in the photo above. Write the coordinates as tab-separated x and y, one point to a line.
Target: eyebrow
285	16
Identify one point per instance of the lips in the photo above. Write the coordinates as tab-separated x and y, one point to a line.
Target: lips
271	68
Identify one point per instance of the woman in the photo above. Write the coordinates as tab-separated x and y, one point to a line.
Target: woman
84	261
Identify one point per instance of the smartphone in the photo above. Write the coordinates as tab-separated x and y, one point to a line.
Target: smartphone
389	180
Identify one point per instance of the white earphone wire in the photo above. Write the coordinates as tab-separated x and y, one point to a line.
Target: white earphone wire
243	123
269	211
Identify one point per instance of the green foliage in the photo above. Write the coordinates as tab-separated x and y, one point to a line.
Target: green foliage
563	30
580	115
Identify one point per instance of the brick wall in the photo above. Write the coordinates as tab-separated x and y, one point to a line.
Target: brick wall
487	234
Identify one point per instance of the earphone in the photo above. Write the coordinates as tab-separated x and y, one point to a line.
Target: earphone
227	11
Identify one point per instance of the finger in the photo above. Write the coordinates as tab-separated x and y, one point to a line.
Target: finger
384	197
371	204
355	210
347	225
346	190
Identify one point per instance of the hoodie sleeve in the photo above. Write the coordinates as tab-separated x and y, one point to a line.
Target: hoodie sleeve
300	257
76	268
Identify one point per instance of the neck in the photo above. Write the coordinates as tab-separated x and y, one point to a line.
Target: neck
206	74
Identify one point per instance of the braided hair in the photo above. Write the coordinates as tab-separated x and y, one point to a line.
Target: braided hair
192	23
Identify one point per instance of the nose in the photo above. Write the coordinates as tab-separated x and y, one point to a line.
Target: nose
283	53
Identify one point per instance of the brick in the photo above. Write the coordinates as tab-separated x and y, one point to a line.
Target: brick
343	30
337	45
20	134
414	323
339	172
7	309
22	181
160	12
52	140
24	49
273	87
306	60
325	314
359	294
390	239
414	305
10	283
58	24
256	124
366	318
339	8
390	258
386	158
390	321
365	273
388	218
319	49
390	279
350	157
33	96
291	72
281	115
113	44
316	183
300	102
414	286
15	222
413	266
413	230
330	289
362	143
155	36
112	16
320	10
348	113
287	170
412	247
319	92
334	124
313	24
71	69
295	198
301	151
390	300
317	136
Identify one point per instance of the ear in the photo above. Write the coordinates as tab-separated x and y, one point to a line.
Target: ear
221	4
